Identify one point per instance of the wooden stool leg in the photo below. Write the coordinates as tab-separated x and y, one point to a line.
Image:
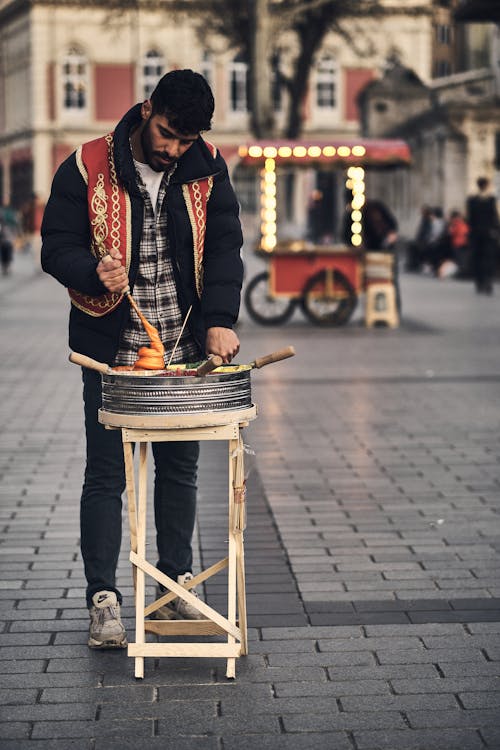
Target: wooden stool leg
240	514
231	572
140	592
131	501
242	600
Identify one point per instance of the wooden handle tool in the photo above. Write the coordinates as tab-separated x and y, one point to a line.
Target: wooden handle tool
208	365
92	364
288	351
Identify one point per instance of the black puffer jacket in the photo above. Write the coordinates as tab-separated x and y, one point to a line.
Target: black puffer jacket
66	243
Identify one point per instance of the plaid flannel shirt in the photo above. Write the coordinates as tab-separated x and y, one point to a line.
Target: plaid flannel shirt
155	290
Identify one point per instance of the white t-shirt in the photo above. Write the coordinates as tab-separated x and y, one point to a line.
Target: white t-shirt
151	179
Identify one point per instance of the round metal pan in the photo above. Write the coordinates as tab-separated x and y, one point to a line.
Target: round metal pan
178	394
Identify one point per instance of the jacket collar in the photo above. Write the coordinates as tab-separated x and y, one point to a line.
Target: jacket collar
195	164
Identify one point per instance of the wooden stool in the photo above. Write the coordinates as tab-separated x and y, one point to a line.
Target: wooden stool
380	305
204	426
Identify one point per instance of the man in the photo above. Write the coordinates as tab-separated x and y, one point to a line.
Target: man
150	206
484	224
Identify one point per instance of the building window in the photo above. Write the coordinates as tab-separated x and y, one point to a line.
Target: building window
442	68
443	33
238	75
153	67
326	83
276	84
246	186
207	68
75	81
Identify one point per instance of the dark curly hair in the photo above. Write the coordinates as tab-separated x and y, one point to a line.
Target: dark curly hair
186	99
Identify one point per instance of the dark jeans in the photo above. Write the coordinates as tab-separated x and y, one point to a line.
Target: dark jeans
101	504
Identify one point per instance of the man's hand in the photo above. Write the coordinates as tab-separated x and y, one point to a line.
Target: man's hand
111	273
222	341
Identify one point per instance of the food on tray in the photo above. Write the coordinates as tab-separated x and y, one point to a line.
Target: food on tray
150	357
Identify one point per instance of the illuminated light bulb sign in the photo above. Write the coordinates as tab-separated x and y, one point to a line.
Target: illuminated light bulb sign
355	182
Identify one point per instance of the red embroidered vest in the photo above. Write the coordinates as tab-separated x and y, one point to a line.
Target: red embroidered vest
110	217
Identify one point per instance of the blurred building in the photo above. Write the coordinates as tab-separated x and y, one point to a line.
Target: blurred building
69	70
451	122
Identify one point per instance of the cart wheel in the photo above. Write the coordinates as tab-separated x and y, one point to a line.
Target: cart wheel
326	307
262	307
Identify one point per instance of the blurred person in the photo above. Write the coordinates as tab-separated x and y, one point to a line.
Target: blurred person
417	248
8	237
315	217
380	228
31	217
435	251
458	234
483	220
178	253
380	232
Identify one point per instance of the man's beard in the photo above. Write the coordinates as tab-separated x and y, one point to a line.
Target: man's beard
154	159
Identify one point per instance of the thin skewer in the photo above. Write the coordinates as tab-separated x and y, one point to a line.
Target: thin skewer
179	336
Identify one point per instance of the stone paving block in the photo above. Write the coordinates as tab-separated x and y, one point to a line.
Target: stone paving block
285	633
16	697
279	706
311	721
436	739
382	672
24	639
369	644
453	718
156	743
483	627
437	655
245	724
14	736
327	659
434	702
313	741
454	616
480	699
121	695
43	652
283	647
491	736
54	712
425	629
335	688
80	729
460	641
190	715
467	684
51	626
44	680
23	666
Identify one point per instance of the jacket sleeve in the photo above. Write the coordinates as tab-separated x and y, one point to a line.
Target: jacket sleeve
66	233
223	267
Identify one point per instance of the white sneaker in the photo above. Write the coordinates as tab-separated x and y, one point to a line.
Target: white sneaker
106	629
178	609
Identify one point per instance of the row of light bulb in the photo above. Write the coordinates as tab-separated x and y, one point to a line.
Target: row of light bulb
271	152
268	205
356	184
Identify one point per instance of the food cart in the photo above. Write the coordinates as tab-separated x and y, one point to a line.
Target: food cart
324	279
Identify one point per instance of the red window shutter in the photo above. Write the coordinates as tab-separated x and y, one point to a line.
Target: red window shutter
355	80
114	91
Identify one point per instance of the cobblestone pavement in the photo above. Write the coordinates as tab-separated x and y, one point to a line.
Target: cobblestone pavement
372	545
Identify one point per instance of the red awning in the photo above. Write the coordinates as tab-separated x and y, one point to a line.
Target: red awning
310	152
